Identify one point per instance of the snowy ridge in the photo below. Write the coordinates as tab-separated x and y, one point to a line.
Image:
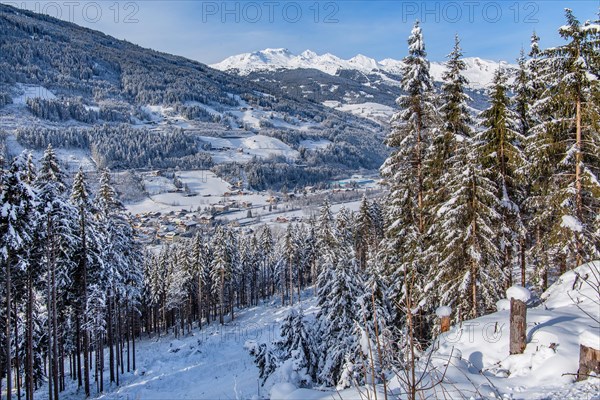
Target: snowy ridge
479	72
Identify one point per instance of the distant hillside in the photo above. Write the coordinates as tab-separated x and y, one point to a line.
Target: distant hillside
479	72
360	85
56	75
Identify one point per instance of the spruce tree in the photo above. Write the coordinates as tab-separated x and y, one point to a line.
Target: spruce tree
469	268
500	148
404	171
17	222
87	259
297	349
566	140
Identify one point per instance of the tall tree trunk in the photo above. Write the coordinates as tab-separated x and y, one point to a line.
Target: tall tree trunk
420	177
78	350
522	260
17	362
291	272
8	332
473	243
110	339
29	361
221	297
133	333
83	306
55	358
200	309
578	186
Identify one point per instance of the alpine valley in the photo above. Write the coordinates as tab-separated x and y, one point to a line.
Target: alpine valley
297	226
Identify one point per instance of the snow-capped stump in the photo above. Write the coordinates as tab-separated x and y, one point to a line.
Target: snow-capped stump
518	296
443	313
518	293
589	354
502	305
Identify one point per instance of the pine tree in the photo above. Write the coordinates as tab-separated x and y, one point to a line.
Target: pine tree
539	208
296	349
469	266
503	161
17	221
454	111
566	142
56	245
222	267
410	137
339	287
456	130
523	96
364	236
85	257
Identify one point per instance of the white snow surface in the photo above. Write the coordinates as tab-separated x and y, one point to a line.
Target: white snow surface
590	338
213	363
572	223
518	293
31	92
503	304
374	111
443	311
479	72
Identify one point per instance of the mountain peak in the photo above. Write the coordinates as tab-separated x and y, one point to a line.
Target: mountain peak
281	50
479	71
308	54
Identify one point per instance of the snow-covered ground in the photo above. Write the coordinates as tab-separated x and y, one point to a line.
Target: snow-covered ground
379	113
207	188
316	144
212	363
31	91
245	147
71	159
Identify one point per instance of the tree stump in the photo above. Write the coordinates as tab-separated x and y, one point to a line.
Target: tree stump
445	324
443	313
518	326
589	361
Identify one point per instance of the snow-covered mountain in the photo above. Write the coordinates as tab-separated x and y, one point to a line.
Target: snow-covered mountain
479	72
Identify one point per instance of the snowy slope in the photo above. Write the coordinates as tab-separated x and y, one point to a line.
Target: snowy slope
213	364
473	361
479	71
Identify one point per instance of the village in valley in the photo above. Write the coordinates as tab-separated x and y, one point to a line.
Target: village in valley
182	204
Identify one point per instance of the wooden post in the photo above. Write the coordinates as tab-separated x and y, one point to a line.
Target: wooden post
589	361
445	323
518	326
443	313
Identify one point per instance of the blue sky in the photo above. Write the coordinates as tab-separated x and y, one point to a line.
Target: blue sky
209	31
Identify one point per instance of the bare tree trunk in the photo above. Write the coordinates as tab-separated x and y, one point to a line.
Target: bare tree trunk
589	361
473	262
518	326
8	332
83	307
29	361
54	329
78	350
199	301
578	187
17	362
110	339
522	260
133	333
291	272
221	297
